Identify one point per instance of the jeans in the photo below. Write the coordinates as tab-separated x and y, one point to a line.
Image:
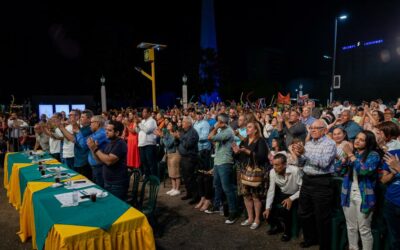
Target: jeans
223	181
148	158
119	189
97	172
391	212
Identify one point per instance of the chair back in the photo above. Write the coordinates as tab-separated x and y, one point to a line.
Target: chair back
135	189
153	183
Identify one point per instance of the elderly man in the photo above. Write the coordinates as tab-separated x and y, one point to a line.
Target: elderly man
188	149
99	137
316	195
42	140
351	127
306	117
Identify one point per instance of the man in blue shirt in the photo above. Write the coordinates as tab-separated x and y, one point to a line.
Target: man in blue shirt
100	138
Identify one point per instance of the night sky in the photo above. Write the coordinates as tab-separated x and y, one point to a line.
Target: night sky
69	46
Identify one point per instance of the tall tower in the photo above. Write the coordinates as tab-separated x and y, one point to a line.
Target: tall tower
208	70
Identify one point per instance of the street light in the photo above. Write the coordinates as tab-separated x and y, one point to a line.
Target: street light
103	94
340	18
184	91
149	57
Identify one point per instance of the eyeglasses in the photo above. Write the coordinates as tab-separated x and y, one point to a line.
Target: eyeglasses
317	128
93	121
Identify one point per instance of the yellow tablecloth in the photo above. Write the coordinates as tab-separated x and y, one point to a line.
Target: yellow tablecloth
130	231
5	181
14	192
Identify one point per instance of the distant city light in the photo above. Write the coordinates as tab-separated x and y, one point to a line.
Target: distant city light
365	44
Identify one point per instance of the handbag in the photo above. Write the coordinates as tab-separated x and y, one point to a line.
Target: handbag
252	175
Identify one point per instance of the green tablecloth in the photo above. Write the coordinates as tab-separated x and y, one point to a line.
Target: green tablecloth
48	211
21	158
16	158
32	173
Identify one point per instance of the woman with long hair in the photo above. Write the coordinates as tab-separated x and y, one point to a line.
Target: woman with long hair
253	152
358	189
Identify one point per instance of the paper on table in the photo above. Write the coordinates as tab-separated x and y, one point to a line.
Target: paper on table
66	199
53	169
92	190
75	185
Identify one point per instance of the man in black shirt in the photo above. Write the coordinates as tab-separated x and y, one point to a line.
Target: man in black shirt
113	159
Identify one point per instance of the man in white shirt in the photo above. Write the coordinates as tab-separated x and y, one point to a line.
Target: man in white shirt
284	189
68	134
55	135
147	143
15	126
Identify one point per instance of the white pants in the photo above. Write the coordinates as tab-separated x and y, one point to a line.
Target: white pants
357	221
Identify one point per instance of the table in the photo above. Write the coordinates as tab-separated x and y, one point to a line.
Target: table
108	223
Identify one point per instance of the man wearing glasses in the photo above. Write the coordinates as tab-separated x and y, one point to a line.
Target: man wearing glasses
315	202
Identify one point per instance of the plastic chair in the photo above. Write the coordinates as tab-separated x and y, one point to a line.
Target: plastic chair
148	209
135	189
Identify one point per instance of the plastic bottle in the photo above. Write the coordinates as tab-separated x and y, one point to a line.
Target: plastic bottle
75	198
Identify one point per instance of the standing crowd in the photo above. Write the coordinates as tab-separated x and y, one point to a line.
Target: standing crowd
271	163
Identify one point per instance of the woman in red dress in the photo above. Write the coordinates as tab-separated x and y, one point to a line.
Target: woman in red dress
133	156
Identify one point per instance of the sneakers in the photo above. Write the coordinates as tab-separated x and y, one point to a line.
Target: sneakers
170	191
175	192
231	219
211	210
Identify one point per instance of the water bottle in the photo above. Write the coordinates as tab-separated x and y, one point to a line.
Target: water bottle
35	158
75	198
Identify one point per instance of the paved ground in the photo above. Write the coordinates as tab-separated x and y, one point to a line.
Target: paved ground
180	227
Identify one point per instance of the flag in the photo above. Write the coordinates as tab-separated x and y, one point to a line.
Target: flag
283	99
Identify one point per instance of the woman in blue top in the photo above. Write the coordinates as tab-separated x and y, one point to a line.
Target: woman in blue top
358	196
173	157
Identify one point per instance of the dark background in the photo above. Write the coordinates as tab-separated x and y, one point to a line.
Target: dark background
261	49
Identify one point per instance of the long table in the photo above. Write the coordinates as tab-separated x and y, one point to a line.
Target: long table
108	223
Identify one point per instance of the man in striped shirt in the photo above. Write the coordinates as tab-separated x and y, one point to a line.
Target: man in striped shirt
316	195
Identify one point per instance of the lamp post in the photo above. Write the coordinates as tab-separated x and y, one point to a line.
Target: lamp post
340	18
103	94
149	57
184	92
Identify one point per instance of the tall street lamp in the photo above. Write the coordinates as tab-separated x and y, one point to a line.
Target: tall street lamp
149	57
103	94
337	18
184	91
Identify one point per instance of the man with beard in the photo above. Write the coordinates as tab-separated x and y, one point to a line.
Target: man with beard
113	159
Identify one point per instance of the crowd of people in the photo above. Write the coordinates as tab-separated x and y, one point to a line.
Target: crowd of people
265	162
